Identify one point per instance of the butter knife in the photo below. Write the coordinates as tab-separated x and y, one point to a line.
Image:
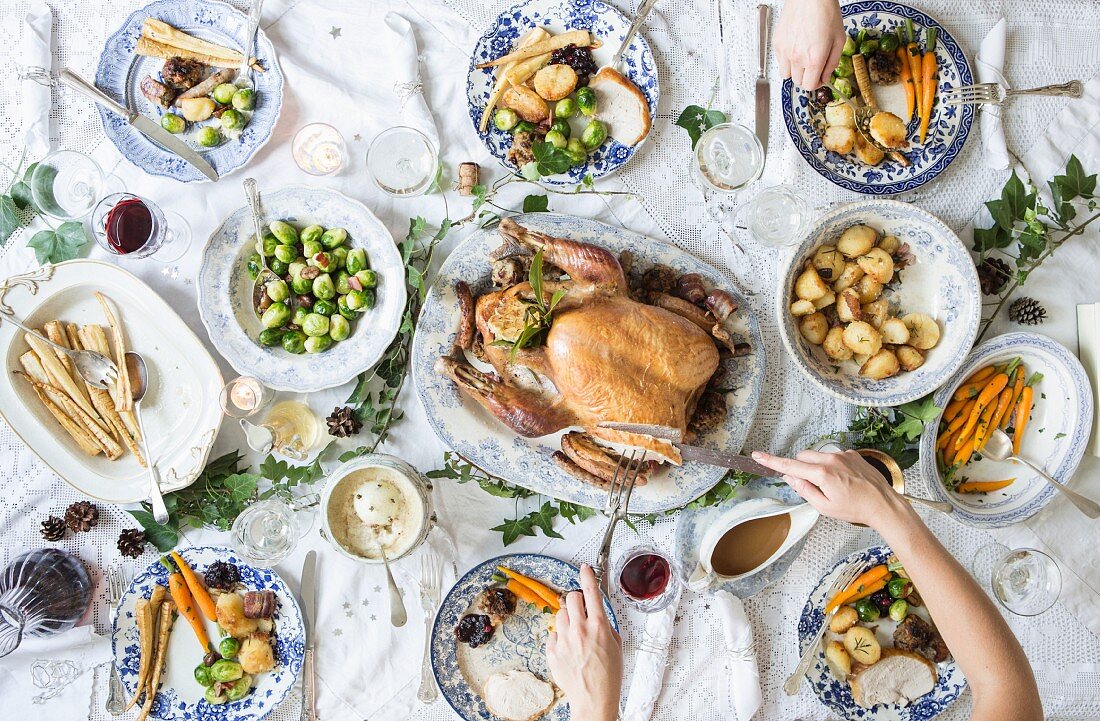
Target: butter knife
763	89
309	609
142	124
710	457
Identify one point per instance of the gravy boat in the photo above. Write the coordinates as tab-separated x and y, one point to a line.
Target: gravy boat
803	518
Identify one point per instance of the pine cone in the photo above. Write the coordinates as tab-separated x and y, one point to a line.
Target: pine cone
81	516
131	542
993	273
53	528
1027	311
343	423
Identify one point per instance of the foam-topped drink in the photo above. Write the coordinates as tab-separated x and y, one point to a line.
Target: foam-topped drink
376	507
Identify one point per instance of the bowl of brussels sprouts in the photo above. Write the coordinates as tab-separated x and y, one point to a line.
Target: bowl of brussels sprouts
336	302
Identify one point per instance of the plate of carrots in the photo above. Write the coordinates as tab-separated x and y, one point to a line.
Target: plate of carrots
1025	385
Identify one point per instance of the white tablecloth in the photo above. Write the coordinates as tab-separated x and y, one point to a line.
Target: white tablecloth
328	73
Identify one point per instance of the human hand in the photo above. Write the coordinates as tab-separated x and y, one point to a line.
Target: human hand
808	39
839	485
585	654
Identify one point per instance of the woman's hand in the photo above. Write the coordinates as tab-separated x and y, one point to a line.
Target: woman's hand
839	485
808	41
585	654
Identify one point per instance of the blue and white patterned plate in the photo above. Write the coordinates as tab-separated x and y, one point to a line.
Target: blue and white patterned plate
605	23
836	694
467	428
225	292
1055	438
942	283
519	644
121	70
181	697
947	129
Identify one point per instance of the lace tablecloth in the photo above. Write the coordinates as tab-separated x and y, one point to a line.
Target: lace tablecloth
1049	41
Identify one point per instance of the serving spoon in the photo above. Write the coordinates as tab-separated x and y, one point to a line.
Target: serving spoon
95	368
266	275
398	616
999	448
139	383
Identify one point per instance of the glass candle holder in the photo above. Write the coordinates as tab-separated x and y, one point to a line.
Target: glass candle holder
245	396
319	149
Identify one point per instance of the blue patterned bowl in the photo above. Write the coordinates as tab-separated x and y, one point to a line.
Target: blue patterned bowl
120	72
467	428
518	644
942	283
836	694
225	292
947	129
1055	438
181	697
605	23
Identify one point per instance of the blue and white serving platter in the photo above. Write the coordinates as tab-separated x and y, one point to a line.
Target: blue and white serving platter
947	130
942	282
467	428
518	644
225	292
181	697
1055	438
121	70
835	693
607	25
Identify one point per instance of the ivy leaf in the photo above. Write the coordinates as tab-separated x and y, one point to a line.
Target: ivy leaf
530	171
241	486
163	536
1013	200
550	159
573	512
696	120
536	204
513	528
543	519
986	239
1075	184
55	246
914	415
273	469
9	218
480	193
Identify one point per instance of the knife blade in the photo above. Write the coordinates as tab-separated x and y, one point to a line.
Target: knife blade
309	610
763	88
140	123
710	457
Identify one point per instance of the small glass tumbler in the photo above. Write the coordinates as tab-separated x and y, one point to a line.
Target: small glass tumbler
319	149
1026	581
266	532
644	577
66	185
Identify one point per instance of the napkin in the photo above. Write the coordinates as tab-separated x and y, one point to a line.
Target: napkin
991	60
650	663
53	677
34	52
741	651
405	71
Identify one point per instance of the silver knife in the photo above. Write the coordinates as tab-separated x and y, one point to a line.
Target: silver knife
763	90
309	608
142	124
710	457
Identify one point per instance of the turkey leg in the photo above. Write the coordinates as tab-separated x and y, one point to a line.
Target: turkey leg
590	267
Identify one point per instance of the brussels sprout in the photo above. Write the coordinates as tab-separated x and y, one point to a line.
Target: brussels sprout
867	610
899	587
240	688
594	134
367	278
575	148
318	344
850	47
214	698
276	315
299	316
295	269
277	291
229	647
339	258
320	260
556	139
343	309
311	248
324	307
244	99
300	285
357	260
561	126
868	46
586	101
566	108
505	119
278	267
286	253
340	280
209	137
173	123
323	287
284	231
333	238
269	243
360	300
899	609
226	670
233	120
843	86
270	337
524	126
294	342
889	43
254	266
844	69
202	675
223	93
311	234
339	328
315	325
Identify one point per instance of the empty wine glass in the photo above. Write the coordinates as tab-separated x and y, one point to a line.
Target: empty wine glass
1026	581
127	225
266	532
66	185
402	161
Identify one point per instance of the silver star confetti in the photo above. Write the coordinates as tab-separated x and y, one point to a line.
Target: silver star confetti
337	632
373	617
365	603
378	589
335	32
346	605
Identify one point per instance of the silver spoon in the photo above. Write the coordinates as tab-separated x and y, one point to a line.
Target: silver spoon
266	275
95	368
999	448
250	39
139	384
398	616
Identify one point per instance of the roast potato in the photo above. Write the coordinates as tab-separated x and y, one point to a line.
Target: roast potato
868	288
924	332
894	331
555	82
825	301
256	655
809	285
876	312
839	139
834	347
909	357
828	262
890	244
877	264
840	114
862	338
802	307
862	646
814	328
838	660
230	613
888	130
866	152
848	307
526	102
881	365
844	618
848	277
857	240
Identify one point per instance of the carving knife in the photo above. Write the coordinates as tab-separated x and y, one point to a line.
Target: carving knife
708	456
139	122
309	608
763	89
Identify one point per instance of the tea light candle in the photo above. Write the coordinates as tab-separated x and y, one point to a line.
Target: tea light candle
243	397
319	149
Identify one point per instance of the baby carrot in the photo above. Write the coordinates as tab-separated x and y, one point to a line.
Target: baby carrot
985	423
1017	390
964	453
983	486
913	53
1002	409
540	589
928	82
526	594
194	585
983	374
177	587
1023	410
952	410
960	419
989	392
862	581
906	78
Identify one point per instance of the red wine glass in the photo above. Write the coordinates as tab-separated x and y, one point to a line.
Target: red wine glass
645	578
136	227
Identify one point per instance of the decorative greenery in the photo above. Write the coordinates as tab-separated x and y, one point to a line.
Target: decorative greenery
538	313
696	120
1027	231
894	431
53	245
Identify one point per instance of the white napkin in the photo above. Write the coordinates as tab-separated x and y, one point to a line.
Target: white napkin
34	51
741	650
405	73
71	656
991	60
650	663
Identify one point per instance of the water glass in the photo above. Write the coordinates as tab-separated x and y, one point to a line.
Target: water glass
402	161
778	216
319	149
728	158
266	532
1026	581
66	185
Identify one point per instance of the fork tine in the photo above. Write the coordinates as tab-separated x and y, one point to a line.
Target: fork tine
636	469
610	504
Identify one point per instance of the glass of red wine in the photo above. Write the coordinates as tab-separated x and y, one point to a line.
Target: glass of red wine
644	576
135	227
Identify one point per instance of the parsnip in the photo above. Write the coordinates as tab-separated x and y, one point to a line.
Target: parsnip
580	38
533	35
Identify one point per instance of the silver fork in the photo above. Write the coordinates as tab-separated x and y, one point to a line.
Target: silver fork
95	368
617	505
115	694
430	588
996	94
794	681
